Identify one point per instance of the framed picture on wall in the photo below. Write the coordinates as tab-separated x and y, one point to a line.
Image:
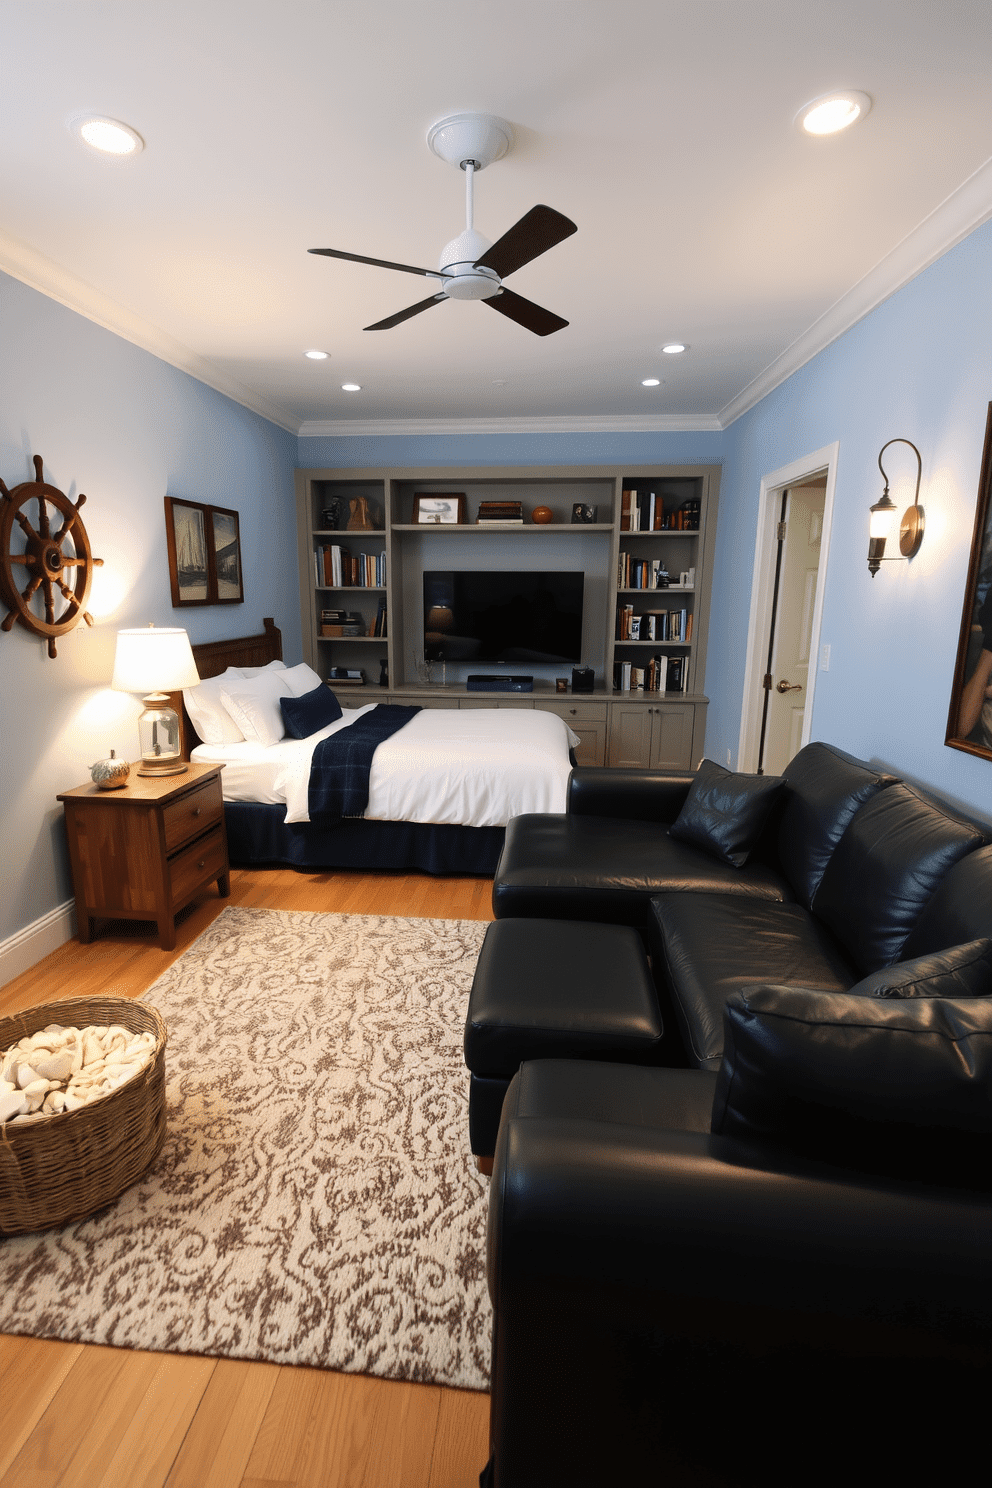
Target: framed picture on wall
186	528
969	722
226	583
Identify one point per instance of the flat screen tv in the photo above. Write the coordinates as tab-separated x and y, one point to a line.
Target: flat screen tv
502	616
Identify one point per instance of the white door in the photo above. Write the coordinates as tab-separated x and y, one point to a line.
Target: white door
794	625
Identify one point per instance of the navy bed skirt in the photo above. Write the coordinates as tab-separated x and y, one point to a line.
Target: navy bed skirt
257	835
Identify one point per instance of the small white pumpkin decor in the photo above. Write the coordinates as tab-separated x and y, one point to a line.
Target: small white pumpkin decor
110	773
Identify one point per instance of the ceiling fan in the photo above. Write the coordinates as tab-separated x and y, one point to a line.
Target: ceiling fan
472	268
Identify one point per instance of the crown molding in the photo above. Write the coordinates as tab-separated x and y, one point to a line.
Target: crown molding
635	423
40	273
959	214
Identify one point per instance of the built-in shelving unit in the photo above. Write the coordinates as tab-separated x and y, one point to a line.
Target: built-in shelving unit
621	726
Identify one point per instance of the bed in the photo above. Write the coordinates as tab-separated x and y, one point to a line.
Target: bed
440	789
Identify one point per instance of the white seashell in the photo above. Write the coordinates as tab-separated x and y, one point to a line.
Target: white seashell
37	1087
25	1076
35	1102
72	1102
7	1087
92	1047
12	1105
57	1067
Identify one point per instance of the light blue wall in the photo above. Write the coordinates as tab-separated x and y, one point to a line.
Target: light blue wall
122	426
398	451
918	367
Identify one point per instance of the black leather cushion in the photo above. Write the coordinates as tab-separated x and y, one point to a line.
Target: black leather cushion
308	714
960	910
885	867
619	1094
606	869
705	948
961	971
824	788
896	1087
555	989
725	813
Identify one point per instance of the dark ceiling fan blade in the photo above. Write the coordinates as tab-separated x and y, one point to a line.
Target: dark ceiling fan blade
533	317
379	263
401	315
534	234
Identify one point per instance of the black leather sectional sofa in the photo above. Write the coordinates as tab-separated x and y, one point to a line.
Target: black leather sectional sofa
771	1261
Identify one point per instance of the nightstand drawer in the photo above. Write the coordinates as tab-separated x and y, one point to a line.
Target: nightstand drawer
192	814
574	712
197	864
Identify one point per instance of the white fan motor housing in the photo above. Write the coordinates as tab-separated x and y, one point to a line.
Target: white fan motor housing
458	258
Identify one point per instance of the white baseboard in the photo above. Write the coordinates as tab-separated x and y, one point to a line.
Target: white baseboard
28	946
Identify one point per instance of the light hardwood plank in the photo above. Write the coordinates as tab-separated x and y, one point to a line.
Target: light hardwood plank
461	1443
219	1442
140	1430
32	1370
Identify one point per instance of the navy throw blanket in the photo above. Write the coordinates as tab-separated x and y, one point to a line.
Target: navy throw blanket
339	769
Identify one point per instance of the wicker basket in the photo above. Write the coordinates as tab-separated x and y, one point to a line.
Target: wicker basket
68	1166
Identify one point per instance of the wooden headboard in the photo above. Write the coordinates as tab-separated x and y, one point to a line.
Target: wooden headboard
214	657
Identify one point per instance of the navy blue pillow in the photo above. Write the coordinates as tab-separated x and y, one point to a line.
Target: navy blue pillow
310	713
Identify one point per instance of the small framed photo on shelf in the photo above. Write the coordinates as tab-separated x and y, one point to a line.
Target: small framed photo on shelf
226	582
583	512
434	509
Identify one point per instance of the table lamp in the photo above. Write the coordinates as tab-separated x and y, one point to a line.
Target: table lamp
156	661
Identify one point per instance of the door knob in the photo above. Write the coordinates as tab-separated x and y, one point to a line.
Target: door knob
784	686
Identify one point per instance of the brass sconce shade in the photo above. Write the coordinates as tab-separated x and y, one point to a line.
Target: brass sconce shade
884	513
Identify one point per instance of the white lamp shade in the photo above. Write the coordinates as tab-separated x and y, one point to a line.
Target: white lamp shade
154	659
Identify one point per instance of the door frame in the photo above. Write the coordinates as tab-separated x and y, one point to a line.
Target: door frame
769	499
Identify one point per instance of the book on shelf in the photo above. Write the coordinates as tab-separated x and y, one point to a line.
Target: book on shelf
499	521
337	568
499	511
343	677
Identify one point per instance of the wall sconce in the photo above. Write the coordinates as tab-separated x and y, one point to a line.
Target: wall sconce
884	513
156	661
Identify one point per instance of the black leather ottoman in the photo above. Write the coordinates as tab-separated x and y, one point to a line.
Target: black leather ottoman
554	989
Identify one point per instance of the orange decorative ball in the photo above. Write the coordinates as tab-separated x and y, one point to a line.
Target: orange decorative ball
542	514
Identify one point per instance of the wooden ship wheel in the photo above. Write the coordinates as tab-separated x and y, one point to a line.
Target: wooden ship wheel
46	562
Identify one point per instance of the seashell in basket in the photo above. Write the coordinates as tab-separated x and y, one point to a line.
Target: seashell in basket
60	1167
110	773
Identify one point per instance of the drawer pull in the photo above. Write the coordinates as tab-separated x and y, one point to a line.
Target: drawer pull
197	811
201	863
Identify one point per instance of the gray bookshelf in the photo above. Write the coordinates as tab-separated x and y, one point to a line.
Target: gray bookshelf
616	727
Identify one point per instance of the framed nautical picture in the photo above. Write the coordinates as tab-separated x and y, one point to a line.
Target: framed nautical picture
969	722
447	508
186	535
226	585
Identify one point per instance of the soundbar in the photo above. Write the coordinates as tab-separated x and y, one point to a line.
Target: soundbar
500	683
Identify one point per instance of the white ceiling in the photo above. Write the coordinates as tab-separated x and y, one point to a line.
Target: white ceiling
665	130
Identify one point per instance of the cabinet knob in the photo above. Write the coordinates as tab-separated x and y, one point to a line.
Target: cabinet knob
198	810
201	863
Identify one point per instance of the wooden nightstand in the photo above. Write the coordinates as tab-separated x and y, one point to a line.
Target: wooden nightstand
143	851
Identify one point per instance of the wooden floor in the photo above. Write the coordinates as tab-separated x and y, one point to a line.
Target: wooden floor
82	1416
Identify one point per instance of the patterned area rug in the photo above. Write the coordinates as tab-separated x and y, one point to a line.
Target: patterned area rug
316	1201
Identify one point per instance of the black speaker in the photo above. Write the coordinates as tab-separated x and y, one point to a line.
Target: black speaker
583	679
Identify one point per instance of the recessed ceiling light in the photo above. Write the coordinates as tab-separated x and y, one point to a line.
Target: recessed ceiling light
674	348
108	137
832	112
650	382
351	387
316	356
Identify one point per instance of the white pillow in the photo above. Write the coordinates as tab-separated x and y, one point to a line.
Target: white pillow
254	706
207	713
271	666
301	679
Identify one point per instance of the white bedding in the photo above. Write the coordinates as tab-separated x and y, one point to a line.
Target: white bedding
475	767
